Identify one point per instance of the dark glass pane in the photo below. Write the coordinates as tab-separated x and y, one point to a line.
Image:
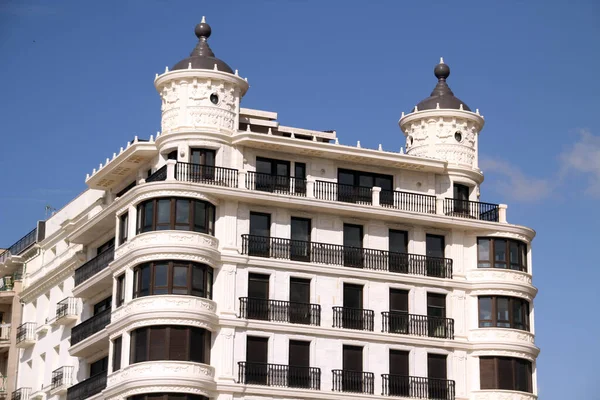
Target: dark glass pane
522	375
399	362
436	366
398	241
283	168
161	275
300	290
399	300
514	252
140	347
384	182
487	373
199	216
197	344
436	305
353	235
300	170
257	349
124	227
117	345
198	279
264	166
503	309
345	177
353	296
164	211
144	281
435	245
485	311
180	273
300	229
299	353
209	283
461	192
483	253
260	224
352	358
148	216
182	212
505	373
500	253
258	286
365	181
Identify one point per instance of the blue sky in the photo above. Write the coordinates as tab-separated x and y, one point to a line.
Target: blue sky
78	85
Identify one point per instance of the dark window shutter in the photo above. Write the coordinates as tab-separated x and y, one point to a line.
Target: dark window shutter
523	375
178	343
257	349
399	362
158	343
487	373
352	358
505	373
198	345
398	300
117	345
436	366
140	347
299	354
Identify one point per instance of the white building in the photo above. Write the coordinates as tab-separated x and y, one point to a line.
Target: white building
232	257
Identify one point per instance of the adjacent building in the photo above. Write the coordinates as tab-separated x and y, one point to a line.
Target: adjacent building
233	257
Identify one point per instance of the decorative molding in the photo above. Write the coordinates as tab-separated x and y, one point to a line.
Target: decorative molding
496	274
177	304
502	395
503	335
513	293
504	353
168	238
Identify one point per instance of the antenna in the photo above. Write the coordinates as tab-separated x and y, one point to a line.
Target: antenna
49	210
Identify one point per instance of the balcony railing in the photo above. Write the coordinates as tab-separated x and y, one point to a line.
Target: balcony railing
158	175
353	318
416	387
334	191
90	326
26	331
4	332
61	376
353	381
85	389
280	311
207	174
472	210
21	394
66	307
417	325
355	257
20	245
95	265
279	375
406	201
275	183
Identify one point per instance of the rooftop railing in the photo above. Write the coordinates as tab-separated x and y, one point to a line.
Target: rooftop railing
280	311
472	210
95	265
208	174
25	242
406	201
416	387
334	191
417	325
275	183
279	375
21	394
354	257
158	175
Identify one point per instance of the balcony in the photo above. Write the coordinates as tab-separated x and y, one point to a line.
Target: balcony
417	325
26	335
62	378
354	257
158	175
276	184
24	243
280	311
406	201
353	318
88	388
4	334
279	375
333	191
21	394
90	326
93	266
67	311
3	384
207	174
353	381
472	210
416	387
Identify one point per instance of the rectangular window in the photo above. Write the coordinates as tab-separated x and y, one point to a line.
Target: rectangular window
103	305
300	311
198	350
198	281
501	253
180	279
182	214
163	214
116	355
436	315
353	296
99	367
300	239
399	300
299	354
259	243
503	312
258	295
161	279
123	227
485	312
435	249
139	343
399	381
436	370
352	358
483	253
148	217
353	242
202	157
398	246
109	245
120	281
256	360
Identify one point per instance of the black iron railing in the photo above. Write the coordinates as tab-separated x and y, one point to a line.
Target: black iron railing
279	375
275	183
353	318
417	325
471	209
334	191
90	326
26	331
20	245
353	381
21	394
66	307
199	173
280	311
61	376
416	202
158	175
416	387
95	265
85	389
355	257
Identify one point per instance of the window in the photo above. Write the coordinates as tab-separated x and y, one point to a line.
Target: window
398	247
163	342
120	290
299	364
300	239
259	243
356	186
352	362
436	315
99	367
505	373
202	157
436	372
172	277
258	296
272	175
176	214
126	189
300	310
256	360
353	242
109	245
501	253
503	312
123	227
116	356
435	248
399	380
103	305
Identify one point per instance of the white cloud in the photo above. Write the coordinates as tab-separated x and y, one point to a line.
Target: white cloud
516	184
583	158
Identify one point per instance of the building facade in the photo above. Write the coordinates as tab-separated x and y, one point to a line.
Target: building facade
233	257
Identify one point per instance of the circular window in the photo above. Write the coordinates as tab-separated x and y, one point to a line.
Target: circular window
458	136
214	98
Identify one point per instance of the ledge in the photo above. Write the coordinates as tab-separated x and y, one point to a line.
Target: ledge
502	395
501	335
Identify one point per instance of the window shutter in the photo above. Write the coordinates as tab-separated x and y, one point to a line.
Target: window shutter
158	343
178	343
117	354
505	373
487	373
140	348
197	345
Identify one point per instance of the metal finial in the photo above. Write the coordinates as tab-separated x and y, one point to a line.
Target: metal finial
203	20
441	60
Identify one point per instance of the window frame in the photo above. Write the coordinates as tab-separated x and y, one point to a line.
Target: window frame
149	348
496	370
172	224
120	295
522	250
495	322
191	290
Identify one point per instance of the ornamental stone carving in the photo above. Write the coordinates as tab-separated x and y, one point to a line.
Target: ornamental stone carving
505	275
178	305
502	395
505	353
500	292
504	335
167	239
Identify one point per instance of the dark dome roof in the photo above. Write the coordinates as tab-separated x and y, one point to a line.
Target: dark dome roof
202	57
441	94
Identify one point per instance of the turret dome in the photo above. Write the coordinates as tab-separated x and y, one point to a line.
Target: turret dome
442	96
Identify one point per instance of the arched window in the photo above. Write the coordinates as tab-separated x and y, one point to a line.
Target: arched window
173	343
172	277
174	213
